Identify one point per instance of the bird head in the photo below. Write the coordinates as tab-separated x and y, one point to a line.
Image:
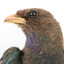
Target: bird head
31	19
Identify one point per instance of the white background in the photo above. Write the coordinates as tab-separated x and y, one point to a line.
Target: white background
10	34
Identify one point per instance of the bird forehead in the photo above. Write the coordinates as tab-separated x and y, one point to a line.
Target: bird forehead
29	10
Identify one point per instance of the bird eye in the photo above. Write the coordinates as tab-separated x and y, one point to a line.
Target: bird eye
33	14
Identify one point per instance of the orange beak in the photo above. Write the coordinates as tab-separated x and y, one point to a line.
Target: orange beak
14	19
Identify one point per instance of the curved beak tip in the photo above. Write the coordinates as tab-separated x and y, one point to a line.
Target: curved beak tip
5	20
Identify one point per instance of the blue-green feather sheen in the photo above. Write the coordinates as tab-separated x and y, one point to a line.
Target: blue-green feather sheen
32	38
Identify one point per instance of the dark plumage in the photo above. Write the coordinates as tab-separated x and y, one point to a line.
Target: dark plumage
44	40
12	56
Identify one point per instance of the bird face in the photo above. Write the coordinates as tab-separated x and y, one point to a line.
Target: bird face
31	19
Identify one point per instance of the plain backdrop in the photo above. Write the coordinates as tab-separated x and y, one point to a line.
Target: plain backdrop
10	34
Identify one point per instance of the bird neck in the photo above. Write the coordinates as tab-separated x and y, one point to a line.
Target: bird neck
37	41
41	42
40	45
33	42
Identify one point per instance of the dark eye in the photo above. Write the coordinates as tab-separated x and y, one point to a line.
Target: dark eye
33	14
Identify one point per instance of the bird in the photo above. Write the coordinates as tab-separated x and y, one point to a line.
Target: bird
12	56
44	38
